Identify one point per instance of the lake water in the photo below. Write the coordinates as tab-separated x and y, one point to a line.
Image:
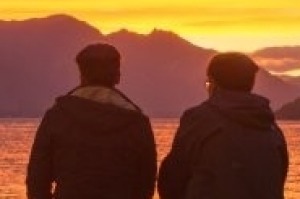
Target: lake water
16	136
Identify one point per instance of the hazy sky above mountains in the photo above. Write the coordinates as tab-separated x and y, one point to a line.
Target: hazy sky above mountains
219	24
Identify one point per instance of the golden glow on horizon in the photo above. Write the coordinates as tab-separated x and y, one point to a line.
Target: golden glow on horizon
291	73
220	24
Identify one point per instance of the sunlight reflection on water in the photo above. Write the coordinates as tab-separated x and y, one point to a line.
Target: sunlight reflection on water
16	136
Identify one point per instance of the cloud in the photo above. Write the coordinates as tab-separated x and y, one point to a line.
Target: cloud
290	73
279	59
278	65
248	21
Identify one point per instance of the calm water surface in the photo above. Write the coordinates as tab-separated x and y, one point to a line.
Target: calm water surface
16	136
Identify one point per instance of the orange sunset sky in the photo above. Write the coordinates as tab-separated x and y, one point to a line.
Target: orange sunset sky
219	24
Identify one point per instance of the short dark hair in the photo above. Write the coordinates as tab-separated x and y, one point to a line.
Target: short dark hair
233	71
99	64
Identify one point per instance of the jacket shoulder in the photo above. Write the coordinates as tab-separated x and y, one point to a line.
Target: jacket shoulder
199	112
197	123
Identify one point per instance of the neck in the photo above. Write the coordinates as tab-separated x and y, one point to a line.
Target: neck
97	85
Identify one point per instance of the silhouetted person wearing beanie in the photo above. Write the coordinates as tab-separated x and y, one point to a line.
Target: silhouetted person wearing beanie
94	142
229	147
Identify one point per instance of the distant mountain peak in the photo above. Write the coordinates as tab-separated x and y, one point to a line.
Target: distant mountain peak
37	62
123	32
163	33
57	20
289	111
56	17
62	17
68	20
154	32
171	37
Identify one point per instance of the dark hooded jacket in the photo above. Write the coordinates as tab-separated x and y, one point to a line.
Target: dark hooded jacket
229	147
91	149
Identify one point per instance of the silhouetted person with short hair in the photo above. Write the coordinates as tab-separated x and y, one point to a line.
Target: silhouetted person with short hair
94	142
229	147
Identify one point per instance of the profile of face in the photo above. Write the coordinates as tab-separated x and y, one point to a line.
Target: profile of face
210	86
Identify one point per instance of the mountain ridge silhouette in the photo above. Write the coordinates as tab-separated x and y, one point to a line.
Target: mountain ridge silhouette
162	72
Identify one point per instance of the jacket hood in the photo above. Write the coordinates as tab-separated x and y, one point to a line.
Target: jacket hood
245	108
98	108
